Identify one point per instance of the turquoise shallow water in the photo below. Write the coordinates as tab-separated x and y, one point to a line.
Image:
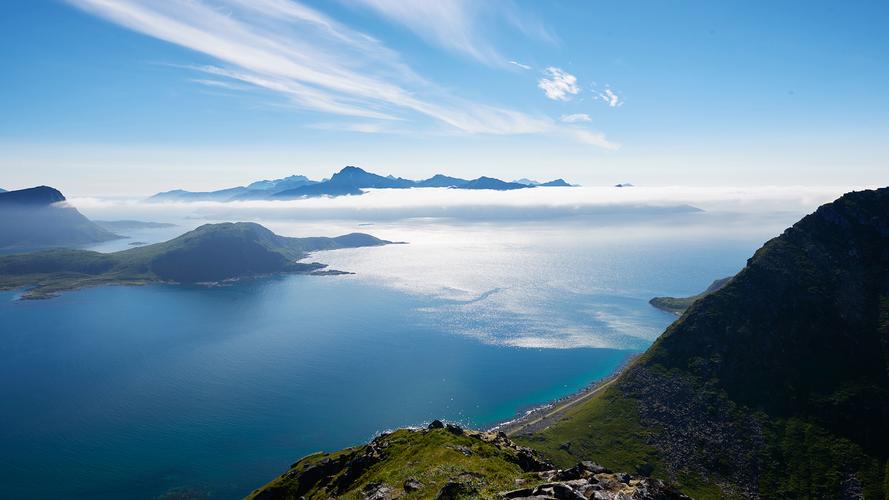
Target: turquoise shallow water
144	390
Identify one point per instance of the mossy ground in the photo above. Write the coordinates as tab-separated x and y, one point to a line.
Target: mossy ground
432	457
607	430
801	460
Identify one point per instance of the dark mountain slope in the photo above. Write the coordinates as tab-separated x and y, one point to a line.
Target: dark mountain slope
39	217
212	252
777	385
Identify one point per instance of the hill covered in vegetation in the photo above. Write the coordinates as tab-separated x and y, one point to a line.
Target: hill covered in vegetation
448	462
210	253
775	386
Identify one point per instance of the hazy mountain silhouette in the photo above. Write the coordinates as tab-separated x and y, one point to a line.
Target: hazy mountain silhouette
40	217
348	181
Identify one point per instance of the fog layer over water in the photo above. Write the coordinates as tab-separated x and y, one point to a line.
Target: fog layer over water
506	263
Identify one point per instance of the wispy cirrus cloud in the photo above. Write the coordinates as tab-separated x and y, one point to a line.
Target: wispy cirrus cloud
459	26
576	118
314	61
593	138
520	65
558	84
291	51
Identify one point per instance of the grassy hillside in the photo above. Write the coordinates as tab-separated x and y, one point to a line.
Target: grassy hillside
212	252
447	462
776	386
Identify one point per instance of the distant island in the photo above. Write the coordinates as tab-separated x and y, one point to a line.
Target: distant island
40	217
678	305
348	181
211	253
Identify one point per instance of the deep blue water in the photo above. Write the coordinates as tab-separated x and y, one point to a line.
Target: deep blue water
133	392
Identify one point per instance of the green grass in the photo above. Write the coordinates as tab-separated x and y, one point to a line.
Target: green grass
429	457
604	429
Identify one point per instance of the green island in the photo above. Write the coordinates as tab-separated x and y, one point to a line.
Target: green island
774	386
678	305
212	253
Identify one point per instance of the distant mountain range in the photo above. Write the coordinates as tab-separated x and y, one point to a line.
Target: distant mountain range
348	181
39	217
553	183
210	253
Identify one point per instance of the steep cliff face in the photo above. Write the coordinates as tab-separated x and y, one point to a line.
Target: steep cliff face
778	384
448	462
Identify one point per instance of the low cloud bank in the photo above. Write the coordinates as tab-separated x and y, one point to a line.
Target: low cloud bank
389	204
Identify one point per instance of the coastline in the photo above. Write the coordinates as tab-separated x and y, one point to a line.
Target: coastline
43	287
544	415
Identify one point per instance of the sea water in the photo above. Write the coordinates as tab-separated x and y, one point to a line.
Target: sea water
141	392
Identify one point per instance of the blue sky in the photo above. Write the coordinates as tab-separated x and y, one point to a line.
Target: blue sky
133	96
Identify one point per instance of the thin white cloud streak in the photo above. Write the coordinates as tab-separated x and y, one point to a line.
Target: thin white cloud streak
575	118
593	138
558	85
447	23
520	65
317	63
363	127
459	26
218	84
